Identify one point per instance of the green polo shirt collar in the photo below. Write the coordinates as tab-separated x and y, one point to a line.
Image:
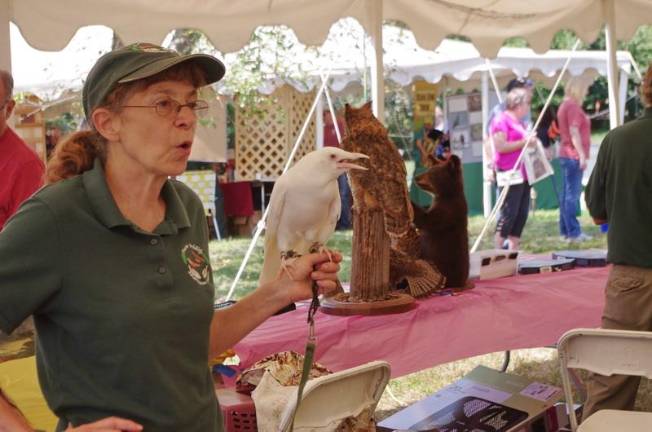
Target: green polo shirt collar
107	211
175	212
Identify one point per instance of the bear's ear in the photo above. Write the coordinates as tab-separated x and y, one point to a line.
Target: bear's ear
454	164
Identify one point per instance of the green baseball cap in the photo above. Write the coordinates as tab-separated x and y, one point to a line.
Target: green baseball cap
135	62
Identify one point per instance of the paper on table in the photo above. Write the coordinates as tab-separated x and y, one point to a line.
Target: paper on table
540	391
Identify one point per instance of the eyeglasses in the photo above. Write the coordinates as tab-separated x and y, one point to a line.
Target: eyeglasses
166	107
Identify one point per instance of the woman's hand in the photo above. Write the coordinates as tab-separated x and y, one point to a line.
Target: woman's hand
109	424
316	267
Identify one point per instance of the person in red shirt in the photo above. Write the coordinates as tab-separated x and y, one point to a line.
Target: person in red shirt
575	134
21	170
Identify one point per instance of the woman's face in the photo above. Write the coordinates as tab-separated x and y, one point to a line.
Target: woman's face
521	110
160	145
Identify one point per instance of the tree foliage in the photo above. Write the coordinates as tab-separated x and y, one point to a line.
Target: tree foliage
640	47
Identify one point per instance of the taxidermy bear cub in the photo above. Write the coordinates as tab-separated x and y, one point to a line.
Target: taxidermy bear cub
444	227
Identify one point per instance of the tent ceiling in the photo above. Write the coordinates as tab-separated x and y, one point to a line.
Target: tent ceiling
456	63
49	25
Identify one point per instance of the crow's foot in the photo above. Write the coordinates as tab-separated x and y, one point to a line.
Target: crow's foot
317	247
287	262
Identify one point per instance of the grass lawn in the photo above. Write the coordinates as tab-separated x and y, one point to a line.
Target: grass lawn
541	234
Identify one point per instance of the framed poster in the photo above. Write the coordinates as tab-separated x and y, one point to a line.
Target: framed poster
475	102
536	163
457	103
458	119
460	138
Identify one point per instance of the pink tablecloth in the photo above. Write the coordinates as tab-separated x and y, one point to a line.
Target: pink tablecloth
501	314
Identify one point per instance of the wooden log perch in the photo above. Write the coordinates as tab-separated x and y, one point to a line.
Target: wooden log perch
370	256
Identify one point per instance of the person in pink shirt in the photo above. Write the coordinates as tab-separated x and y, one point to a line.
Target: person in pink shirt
509	134
575	143
21	170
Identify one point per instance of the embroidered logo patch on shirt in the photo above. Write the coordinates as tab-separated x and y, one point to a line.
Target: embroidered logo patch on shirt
195	259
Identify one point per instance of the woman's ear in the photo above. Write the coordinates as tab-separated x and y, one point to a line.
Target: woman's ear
106	123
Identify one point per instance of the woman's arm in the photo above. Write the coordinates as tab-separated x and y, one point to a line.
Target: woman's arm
504	146
576	139
11	419
232	324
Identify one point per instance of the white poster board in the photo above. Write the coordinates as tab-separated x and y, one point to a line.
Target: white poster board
464	119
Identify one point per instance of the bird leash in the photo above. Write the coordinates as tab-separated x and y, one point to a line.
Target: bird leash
309	355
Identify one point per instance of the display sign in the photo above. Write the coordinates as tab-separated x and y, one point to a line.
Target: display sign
464	118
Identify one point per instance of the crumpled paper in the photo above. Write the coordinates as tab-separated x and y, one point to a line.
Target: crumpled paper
285	367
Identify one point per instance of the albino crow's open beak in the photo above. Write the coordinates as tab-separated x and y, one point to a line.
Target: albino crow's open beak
346	164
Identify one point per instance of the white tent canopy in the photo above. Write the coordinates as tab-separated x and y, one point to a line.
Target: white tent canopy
456	63
50	74
49	25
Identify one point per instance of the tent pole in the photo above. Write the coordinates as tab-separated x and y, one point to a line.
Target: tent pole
375	29
486	184
5	44
622	92
319	124
612	65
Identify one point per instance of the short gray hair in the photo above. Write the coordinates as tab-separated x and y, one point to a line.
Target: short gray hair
7	82
515	98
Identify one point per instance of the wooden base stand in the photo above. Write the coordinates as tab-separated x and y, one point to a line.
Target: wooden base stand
341	304
370	293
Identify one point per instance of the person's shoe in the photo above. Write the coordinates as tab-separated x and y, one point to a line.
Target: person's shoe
580	238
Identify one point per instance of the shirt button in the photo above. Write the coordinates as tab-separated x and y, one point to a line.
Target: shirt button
153	241
162	269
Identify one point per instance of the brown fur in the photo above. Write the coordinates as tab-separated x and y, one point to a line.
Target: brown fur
444	227
384	186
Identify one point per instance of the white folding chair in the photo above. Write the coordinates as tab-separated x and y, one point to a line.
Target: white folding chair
332	398
606	352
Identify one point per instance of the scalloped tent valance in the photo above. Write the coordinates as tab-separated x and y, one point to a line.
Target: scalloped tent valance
49	25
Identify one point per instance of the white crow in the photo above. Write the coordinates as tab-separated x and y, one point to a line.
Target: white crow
304	207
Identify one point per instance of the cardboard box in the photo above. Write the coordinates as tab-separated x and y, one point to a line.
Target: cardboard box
486	397
493	263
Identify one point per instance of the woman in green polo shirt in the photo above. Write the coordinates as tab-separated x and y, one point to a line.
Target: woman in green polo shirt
111	258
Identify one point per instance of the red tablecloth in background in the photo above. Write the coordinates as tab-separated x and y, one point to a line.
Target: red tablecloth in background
238	199
497	315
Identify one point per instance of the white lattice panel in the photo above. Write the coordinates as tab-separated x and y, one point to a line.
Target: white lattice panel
203	184
263	142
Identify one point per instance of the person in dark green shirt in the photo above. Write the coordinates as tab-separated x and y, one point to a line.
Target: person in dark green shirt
620	192
111	258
